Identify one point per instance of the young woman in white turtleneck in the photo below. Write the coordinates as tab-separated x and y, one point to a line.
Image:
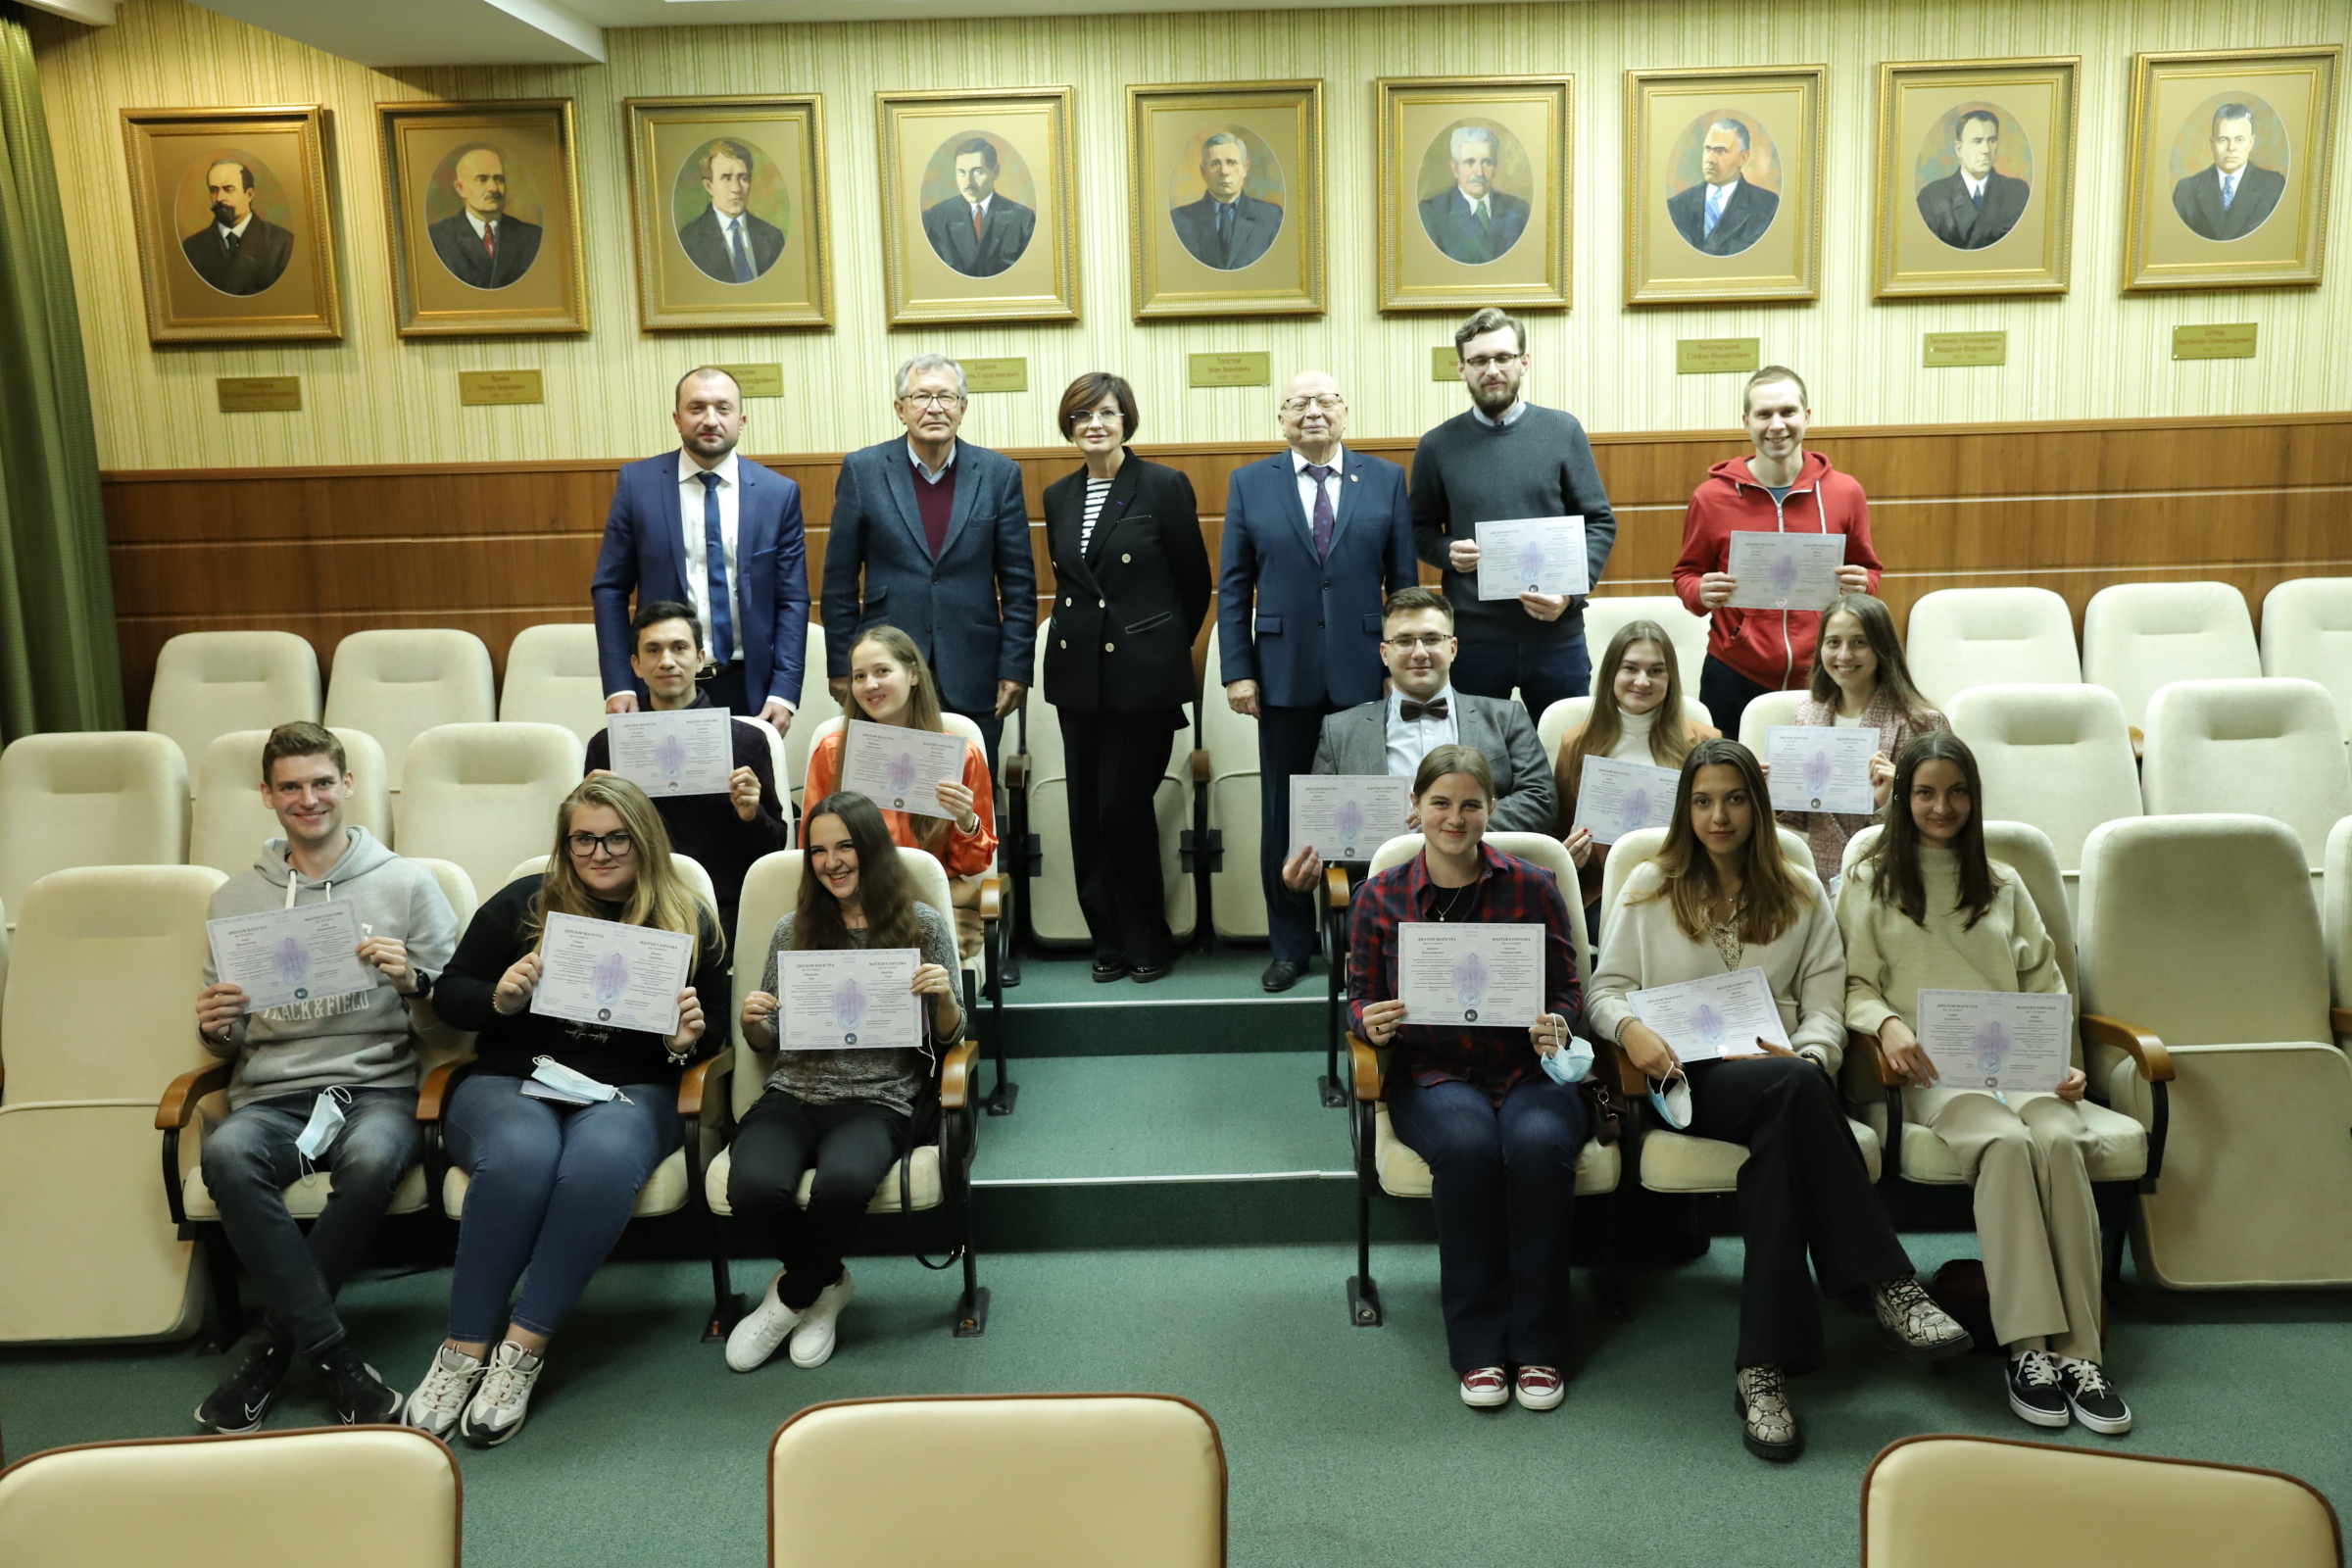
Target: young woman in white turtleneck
1860	680
1637	716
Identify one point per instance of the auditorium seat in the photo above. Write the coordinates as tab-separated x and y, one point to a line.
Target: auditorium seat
1964	637
207	683
231	822
553	678
1013	1481
95	798
2056	756
2307	635
2141	635
1237	889
2335	923
816	704
2202	963
86	1250
1766	713
2270	747
397	684
1603	615
485	794
1574	712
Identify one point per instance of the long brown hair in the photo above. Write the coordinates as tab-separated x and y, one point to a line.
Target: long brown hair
1669	731
1770	898
922	712
1877	628
1896	875
660	899
885	889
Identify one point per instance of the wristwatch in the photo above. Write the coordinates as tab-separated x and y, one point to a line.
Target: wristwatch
425	987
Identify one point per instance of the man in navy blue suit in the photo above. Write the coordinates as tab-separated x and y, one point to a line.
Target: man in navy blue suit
716	530
940	530
1316	538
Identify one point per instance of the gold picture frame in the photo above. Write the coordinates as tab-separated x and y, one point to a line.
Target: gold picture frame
1225	198
1019	259
729	212
2271	232
455	273
1516	137
1976	183
1759	242
253	261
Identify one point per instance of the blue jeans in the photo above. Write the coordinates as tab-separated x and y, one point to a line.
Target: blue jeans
553	1188
1545	672
248	1161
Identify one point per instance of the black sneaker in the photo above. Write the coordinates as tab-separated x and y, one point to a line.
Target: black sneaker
2033	1391
2092	1398
242	1404
359	1397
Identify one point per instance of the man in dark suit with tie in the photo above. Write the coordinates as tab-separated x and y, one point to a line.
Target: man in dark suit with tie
1225	228
1474	222
239	252
1316	538
2233	196
725	240
480	245
939	532
977	231
708	527
1723	215
1976	204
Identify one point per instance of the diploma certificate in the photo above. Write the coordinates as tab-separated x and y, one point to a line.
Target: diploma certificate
847	998
1785	570
1716	1015
1489	975
1614	799
1819	768
619	976
1998	1039
1532	556
289	957
901	769
688	751
1345	816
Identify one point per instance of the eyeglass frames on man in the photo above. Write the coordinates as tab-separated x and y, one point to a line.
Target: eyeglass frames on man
1490	361
1328	402
933	400
1432	640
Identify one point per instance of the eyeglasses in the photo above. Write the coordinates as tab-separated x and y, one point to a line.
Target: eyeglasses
1431	640
1327	402
1104	416
933	400
1488	362
617	845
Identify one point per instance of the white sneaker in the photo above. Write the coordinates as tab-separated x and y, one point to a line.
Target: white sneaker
441	1397
763	1329
504	1399
812	1340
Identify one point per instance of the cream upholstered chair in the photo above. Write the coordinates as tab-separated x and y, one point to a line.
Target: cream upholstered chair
1017	1481
1763	714
1384	1160
1237	891
1603	615
1641	844
2307	635
2335	920
397	684
816	704
2270	747
2056	756
1964	637
386	1497
483	794
207	683
937	1174
86	1250
99	798
231	822
2203	964
2138	636
1937	1502
553	678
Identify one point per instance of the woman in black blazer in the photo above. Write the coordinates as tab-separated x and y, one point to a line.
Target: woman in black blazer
1131	590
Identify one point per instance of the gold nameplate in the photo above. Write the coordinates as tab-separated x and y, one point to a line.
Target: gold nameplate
1708	356
1964	348
477	387
1445	365
259	394
757	380
995	375
2232	342
1232	369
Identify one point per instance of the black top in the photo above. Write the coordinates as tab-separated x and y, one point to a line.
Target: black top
506	1045
706	828
1127	607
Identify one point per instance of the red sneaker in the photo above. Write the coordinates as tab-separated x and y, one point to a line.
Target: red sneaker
1541	1388
1485	1388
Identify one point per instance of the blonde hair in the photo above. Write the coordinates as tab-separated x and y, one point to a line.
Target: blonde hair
660	899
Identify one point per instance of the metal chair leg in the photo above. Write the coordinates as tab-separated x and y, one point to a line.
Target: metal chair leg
1363	1293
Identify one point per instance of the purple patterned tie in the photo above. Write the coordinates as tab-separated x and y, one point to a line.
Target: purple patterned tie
1324	520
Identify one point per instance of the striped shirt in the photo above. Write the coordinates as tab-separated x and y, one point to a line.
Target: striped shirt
1097	491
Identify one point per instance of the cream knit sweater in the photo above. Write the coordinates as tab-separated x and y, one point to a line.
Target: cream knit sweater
1888	961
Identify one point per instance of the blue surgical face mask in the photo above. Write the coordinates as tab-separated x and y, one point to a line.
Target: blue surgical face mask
1672	1100
1570	1063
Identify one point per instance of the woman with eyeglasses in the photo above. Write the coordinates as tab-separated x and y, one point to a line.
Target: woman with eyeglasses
554	1183
1132	587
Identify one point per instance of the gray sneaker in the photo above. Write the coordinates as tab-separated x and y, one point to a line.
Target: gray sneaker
1914	1324
496	1411
448	1383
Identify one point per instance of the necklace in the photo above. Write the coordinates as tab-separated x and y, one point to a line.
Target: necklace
1448	909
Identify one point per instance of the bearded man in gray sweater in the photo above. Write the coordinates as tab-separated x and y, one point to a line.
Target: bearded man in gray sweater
1504	458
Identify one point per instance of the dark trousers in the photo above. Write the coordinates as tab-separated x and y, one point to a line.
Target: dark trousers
992	731
1286	745
1726	693
1115	763
851	1143
1504	1187
250	1158
1804	1185
1545	672
725	689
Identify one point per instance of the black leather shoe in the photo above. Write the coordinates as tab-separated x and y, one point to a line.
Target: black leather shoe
1280	975
1142	974
1108	970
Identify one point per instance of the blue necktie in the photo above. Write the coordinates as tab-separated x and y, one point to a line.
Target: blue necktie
714	556
743	260
2229	190
1716	198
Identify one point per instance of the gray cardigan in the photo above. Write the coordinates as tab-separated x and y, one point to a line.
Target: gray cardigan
1356	741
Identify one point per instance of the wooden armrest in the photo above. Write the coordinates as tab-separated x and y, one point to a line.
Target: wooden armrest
1366	1062
1630	1080
177	1107
956	1075
2155	1063
1335	887
992	897
1201	768
2339	1019
437	1084
1016	771
697	1081
1889	1078
2139	743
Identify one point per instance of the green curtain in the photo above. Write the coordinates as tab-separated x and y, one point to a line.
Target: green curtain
59	665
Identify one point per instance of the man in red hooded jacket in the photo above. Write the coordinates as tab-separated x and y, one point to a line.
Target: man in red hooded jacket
1782	488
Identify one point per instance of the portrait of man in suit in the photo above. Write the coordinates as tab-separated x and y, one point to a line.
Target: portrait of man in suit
239	252
1724	214
2233	196
1976	204
1226	228
1473	222
978	231
480	244
726	240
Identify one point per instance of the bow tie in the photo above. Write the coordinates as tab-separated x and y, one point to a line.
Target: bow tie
1410	710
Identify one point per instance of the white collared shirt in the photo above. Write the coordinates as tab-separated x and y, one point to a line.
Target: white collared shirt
698	555
930	476
1975	184
1409	744
1478	207
479	227
1510	415
237	232
1720	197
980	207
731	229
1306	485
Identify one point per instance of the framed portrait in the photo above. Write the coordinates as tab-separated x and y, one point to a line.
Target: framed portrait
732	222
236	240
482	207
979	220
1976	191
1723	186
1225	198
2229	168
1477	184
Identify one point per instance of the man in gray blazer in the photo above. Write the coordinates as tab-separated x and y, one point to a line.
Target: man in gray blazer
940	532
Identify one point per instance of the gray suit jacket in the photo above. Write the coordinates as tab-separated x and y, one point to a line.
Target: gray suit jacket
1356	741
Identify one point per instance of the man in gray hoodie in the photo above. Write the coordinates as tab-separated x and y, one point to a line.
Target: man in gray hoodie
329	1084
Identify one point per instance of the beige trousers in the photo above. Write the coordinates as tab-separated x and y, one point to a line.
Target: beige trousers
964	892
2036	1223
